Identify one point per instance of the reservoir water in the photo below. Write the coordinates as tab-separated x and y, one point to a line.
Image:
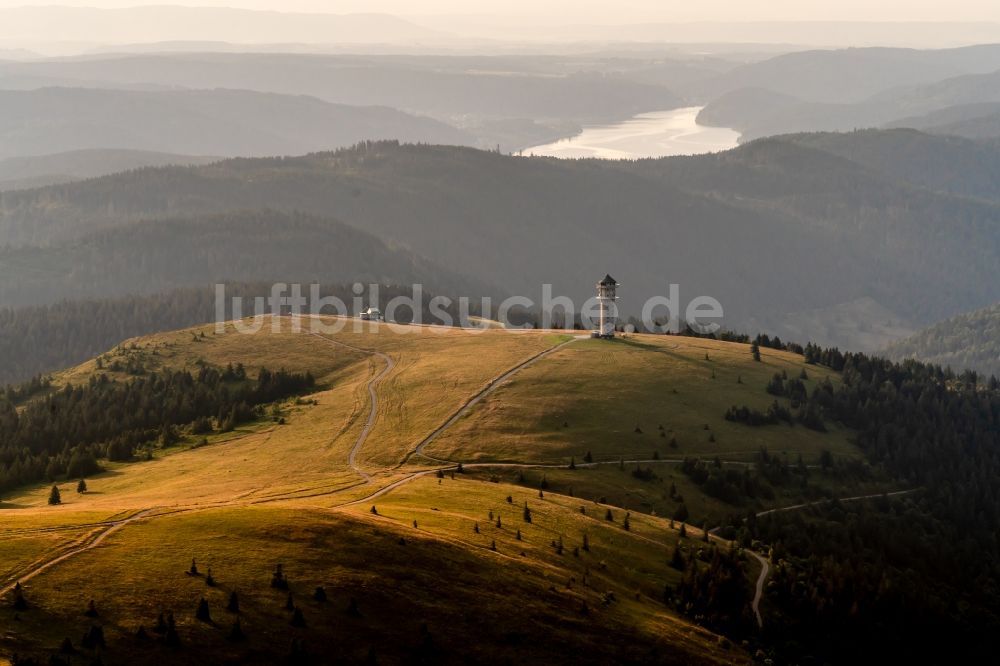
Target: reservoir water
654	134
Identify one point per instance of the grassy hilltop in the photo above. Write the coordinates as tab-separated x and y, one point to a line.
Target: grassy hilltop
446	567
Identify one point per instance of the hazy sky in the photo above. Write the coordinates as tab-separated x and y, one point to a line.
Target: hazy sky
612	11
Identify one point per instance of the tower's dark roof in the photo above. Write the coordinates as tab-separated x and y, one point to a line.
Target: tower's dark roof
608	280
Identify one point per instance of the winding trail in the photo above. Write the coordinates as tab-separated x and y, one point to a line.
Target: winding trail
839	499
765	570
373	395
765	567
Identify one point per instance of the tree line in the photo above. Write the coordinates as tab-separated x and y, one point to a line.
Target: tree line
65	432
40	339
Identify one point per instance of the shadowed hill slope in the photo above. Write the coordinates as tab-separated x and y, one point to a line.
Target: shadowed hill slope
805	230
261	245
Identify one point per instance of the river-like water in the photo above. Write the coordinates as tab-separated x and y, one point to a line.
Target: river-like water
655	134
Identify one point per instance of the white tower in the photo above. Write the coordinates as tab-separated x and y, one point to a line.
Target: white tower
606	298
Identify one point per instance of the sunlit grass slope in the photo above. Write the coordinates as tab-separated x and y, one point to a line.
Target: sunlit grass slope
436	369
611	398
283	490
435	590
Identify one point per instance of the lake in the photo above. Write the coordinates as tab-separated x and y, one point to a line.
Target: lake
655	134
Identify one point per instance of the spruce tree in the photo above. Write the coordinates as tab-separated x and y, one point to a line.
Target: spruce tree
54	496
81	486
352	608
19	602
236	633
161	624
203	613
171	636
677	559
278	580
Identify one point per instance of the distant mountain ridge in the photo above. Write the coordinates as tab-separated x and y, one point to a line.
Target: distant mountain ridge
767	112
198	122
29	172
853	75
441	87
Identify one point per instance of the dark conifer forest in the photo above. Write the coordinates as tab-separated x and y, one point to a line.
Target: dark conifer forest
63	434
913	576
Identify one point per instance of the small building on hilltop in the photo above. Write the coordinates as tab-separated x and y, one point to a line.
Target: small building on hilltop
372	314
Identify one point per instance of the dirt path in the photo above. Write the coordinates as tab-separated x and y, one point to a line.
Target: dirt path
373	396
840	499
765	568
90	543
491	386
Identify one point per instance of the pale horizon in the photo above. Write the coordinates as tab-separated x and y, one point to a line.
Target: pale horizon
592	11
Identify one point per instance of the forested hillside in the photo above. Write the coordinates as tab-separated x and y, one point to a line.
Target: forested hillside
943	163
775	201
111	419
912	581
969	341
201	251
